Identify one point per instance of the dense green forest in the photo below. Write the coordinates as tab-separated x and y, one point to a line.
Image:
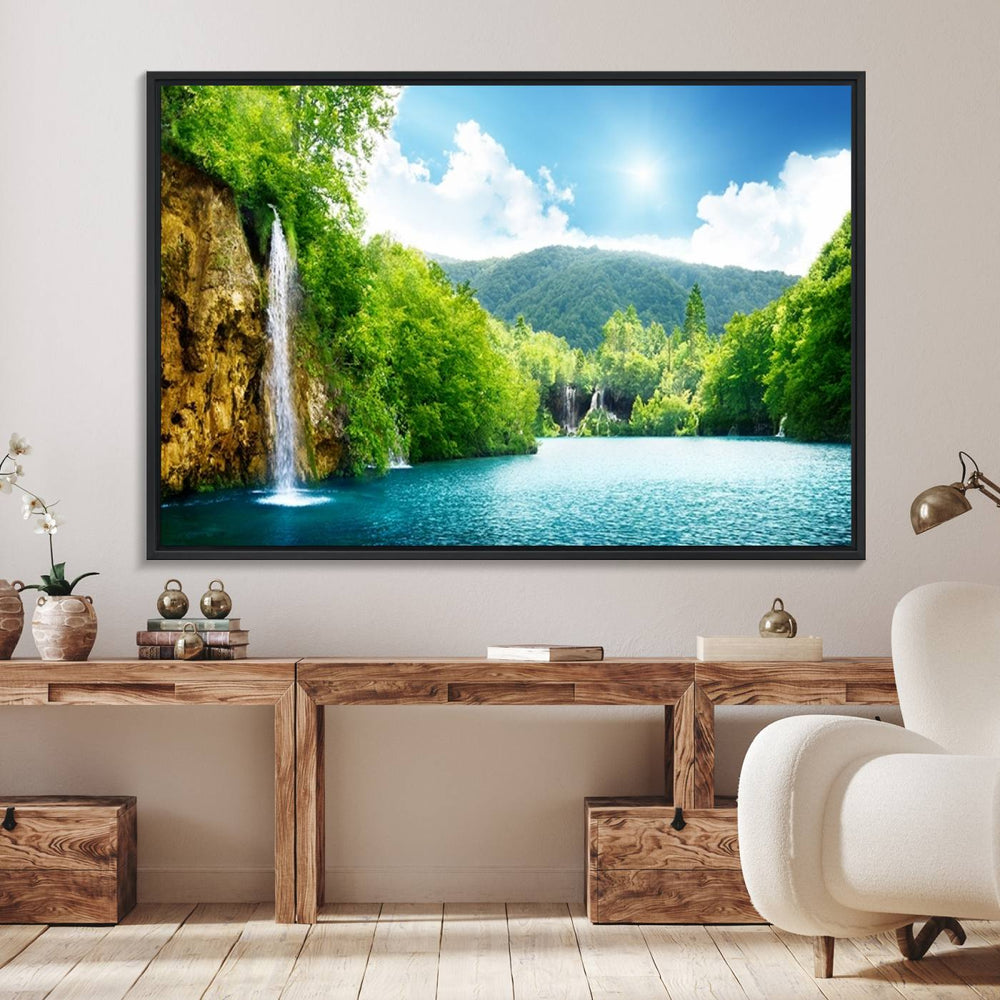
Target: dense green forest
420	367
571	291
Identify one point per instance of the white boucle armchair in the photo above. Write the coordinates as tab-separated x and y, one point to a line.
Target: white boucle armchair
849	827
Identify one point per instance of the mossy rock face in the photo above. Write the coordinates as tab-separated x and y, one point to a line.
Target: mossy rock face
213	340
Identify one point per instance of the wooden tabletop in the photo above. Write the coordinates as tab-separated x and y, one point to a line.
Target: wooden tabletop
469	681
614	681
138	682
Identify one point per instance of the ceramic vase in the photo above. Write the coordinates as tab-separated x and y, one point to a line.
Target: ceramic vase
11	617
64	627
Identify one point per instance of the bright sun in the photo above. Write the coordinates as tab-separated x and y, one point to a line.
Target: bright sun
643	174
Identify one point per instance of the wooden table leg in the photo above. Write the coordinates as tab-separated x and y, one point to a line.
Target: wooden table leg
284	807
310	808
694	750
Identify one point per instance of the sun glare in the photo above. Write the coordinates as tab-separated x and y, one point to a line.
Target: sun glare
643	174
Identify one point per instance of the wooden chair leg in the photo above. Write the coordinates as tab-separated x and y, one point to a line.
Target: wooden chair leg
914	948
823	957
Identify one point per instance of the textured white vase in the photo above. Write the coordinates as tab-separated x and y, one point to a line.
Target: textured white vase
64	628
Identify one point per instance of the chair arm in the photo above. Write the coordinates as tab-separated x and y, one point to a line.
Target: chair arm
785	783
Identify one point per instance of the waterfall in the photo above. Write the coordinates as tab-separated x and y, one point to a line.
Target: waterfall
597	400
569	408
278	379
781	427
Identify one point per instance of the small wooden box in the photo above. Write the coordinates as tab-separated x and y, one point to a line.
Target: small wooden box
67	860
641	870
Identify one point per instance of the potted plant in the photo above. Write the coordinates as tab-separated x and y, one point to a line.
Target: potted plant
64	624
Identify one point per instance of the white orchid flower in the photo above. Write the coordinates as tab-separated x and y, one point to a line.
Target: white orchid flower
18	445
6	481
31	505
49	524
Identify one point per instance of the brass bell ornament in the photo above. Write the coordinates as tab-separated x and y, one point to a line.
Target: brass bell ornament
173	602
216	603
189	644
778	623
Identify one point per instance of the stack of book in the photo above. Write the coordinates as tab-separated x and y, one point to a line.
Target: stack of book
223	638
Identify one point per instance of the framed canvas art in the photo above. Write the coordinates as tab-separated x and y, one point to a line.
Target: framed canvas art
506	315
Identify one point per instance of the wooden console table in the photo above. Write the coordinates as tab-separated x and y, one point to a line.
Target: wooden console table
688	689
178	682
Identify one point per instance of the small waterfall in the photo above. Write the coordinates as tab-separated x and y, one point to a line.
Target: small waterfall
597	400
278	378
569	408
781	427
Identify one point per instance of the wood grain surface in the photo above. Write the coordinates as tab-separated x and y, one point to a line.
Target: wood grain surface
479	681
703	896
644	838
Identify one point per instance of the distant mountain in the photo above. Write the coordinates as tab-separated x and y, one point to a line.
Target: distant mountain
571	291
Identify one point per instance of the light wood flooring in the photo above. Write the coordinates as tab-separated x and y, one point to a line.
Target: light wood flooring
485	951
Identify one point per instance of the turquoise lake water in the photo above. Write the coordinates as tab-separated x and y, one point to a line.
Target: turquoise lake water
574	491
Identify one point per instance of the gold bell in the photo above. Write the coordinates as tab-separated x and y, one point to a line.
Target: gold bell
189	644
778	623
216	603
173	602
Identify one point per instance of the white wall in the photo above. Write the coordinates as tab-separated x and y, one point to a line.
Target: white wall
459	802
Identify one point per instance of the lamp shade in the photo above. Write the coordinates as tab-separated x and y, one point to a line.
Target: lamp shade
937	505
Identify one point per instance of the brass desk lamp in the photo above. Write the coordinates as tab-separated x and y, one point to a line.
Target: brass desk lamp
941	503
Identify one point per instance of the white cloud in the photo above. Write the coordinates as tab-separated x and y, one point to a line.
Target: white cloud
552	189
486	206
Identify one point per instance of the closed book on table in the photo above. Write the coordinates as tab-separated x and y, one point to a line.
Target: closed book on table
164	638
208	653
544	654
67	859
201	624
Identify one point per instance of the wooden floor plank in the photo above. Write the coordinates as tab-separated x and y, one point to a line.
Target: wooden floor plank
854	977
475	953
14	938
690	964
616	959
403	964
544	954
108	970
40	967
763	965
332	963
977	962
189	961
259	964
928	979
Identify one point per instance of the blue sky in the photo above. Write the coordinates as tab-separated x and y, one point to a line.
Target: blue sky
726	173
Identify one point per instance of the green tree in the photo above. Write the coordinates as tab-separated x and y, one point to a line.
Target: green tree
730	397
809	381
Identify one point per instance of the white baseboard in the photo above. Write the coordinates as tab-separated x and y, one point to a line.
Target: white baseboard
367	885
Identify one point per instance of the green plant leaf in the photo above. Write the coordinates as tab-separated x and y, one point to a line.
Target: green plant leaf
59	571
79	578
46	579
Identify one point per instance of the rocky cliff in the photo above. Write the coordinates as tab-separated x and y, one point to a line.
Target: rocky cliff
215	427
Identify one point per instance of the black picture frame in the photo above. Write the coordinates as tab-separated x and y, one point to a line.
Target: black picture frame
156	550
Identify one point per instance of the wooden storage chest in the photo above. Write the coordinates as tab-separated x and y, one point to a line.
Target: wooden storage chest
642	870
67	859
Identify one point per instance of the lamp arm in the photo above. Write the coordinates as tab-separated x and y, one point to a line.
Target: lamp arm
977	481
